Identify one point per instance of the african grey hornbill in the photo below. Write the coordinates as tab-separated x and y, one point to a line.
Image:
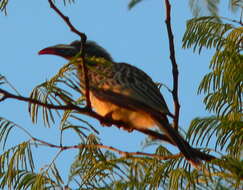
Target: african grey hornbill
126	94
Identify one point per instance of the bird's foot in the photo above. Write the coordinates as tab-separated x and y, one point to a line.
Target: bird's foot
106	121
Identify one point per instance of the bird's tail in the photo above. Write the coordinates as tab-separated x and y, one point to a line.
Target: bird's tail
193	156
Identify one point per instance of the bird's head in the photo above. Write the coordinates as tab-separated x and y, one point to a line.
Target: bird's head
68	51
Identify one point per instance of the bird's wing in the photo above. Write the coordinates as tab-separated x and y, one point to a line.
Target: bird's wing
127	80
136	84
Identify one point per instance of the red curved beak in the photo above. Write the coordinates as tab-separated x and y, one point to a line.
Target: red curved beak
49	50
65	51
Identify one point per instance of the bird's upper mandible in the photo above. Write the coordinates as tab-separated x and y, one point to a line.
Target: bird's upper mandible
69	51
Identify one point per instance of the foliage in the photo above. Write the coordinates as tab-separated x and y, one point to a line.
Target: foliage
203	7
3	5
132	3
199	7
96	168
222	87
93	167
211	7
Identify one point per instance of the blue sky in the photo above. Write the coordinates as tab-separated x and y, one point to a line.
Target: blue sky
137	37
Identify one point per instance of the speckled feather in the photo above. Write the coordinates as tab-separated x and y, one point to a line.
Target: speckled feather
127	80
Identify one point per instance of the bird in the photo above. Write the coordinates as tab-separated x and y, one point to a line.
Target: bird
125	93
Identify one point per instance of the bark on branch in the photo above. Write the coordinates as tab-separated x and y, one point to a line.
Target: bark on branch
4	95
101	146
175	71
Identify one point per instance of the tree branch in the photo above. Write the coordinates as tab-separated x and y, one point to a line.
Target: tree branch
175	71
67	21
86	111
101	146
83	38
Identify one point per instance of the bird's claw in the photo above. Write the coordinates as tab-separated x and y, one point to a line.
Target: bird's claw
106	121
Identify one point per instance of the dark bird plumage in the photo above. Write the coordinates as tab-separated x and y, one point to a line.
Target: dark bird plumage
127	94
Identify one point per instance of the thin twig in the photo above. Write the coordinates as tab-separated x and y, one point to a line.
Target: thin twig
67	21
175	71
86	82
241	15
53	159
11	86
232	20
101	146
86	111
19	127
83	38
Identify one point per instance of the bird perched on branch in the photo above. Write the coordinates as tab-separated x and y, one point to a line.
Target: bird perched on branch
125	93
